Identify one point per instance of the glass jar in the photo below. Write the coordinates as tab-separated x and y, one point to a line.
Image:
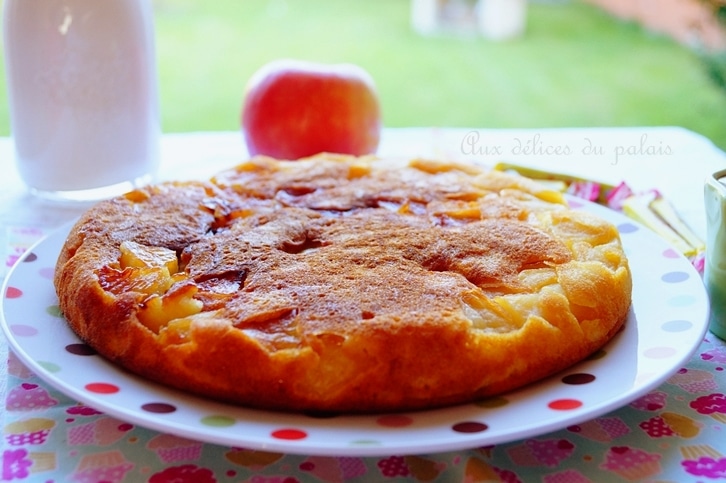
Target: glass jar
82	91
715	268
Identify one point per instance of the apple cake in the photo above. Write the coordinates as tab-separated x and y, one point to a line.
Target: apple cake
344	284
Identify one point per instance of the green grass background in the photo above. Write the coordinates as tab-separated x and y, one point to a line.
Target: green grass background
575	66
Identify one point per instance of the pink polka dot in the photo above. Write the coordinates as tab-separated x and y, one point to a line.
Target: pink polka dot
23	330
659	352
394	421
102	388
564	404
289	434
13	293
47	272
670	253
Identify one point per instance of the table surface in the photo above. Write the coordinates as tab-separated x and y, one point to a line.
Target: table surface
662	436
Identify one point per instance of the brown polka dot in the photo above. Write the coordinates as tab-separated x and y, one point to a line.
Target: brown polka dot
469	427
81	350
578	379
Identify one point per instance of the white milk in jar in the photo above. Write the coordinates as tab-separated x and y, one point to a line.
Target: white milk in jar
82	90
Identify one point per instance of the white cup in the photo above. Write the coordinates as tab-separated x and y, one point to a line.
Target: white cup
82	90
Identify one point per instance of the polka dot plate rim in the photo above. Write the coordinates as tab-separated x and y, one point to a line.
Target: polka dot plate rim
666	324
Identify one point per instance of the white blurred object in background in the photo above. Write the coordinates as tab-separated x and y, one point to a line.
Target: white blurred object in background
82	89
492	19
501	19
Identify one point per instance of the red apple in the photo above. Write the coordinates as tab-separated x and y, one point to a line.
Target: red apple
293	109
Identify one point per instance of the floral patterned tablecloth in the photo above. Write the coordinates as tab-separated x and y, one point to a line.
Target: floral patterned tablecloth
674	433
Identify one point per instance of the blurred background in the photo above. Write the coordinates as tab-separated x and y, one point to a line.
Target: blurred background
574	63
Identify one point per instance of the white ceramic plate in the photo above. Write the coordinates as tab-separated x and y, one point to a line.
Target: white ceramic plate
667	322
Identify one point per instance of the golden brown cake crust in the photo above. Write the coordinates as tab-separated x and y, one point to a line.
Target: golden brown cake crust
344	284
